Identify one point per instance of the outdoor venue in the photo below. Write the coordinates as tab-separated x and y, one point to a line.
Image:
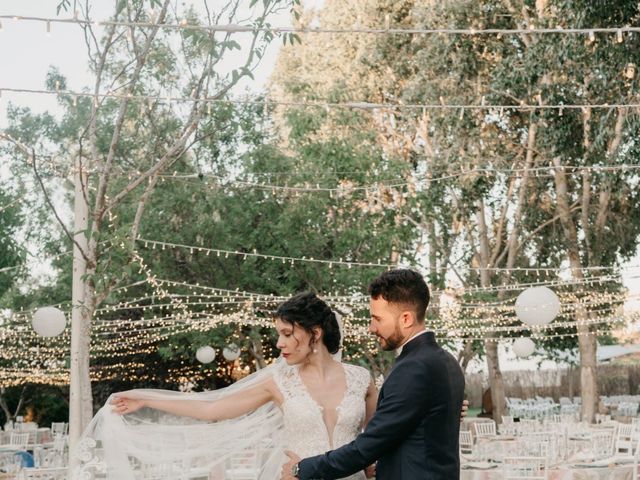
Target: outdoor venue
173	173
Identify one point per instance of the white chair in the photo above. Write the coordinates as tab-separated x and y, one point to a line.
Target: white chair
44	473
527	425
55	457
528	467
625	440
602	444
26	426
59	428
19	440
553	441
485	429
636	458
466	442
243	465
507	427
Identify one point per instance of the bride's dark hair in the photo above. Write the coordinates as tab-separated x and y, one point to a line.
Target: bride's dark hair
308	311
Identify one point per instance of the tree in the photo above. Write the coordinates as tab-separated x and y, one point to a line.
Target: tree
98	133
12	257
503	212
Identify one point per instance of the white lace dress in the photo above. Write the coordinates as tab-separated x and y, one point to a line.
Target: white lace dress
305	430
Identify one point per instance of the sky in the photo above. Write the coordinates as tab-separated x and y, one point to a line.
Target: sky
28	51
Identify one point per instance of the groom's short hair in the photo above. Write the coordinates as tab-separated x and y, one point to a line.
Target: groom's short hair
402	286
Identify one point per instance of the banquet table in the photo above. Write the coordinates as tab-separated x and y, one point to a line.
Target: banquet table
615	472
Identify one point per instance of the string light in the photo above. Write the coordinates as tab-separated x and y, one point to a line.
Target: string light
183	24
347	187
293	260
184	319
324	104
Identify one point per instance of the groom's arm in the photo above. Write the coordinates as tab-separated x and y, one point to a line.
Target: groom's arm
405	403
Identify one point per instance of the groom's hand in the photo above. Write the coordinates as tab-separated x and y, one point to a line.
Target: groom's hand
465	407
370	471
287	468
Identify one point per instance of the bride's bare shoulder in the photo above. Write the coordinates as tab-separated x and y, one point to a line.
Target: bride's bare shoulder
358	369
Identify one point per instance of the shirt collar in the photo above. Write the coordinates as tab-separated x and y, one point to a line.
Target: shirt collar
399	349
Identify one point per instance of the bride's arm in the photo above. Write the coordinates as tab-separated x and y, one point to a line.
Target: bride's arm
371	400
228	407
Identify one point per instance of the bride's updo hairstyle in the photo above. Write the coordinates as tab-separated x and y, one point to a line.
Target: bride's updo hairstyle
308	311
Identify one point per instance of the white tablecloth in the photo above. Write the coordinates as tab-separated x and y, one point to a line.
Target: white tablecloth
622	472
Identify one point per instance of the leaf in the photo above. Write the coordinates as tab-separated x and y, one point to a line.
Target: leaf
231	44
246	71
64	4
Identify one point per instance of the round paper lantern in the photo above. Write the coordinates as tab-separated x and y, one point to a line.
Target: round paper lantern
537	306
231	352
205	354
49	321
523	347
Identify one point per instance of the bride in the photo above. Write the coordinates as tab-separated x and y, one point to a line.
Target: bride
308	401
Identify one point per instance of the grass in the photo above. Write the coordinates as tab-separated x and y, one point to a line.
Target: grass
473	412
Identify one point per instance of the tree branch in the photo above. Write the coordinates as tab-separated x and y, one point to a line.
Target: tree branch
31	153
141	206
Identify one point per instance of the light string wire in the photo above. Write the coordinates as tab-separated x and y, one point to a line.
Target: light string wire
385	30
351	105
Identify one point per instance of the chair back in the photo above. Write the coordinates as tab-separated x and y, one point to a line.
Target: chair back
466	442
485	429
625	440
19	440
59	428
243	465
528	467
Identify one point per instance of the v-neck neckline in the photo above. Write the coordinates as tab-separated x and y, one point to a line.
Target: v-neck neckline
321	409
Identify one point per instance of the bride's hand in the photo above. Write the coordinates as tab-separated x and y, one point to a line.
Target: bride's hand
124	405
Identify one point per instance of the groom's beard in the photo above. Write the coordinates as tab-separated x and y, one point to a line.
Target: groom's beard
393	341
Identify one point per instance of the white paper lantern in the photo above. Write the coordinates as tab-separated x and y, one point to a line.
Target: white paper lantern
537	306
231	352
49	321
205	354
523	347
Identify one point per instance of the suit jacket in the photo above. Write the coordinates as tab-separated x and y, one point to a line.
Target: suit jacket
414	432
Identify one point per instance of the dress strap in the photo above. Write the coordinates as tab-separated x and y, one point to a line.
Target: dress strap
358	379
286	380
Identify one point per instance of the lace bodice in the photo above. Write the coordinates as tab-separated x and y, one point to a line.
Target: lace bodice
305	430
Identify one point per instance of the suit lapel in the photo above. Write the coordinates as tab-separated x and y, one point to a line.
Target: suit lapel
411	347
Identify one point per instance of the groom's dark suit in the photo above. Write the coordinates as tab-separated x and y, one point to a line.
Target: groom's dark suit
414	432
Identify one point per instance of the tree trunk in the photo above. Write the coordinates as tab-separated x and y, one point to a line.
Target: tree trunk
466	355
79	371
496	382
586	341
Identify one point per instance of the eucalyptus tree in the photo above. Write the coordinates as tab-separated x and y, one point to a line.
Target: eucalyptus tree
491	186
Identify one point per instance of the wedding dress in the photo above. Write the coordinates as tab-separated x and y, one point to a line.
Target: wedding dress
306	432
150	444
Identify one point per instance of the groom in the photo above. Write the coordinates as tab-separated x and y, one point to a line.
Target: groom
414	432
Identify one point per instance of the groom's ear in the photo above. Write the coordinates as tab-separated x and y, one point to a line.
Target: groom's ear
408	319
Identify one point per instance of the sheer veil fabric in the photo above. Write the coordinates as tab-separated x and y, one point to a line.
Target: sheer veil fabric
150	444
154	444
